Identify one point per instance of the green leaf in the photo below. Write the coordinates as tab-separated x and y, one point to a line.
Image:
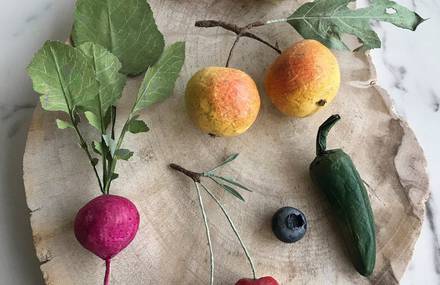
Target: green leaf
327	20
114	176
97	147
159	79
227	160
137	126
63	124
233	182
229	189
124	27
93	120
63	76
111	144
110	117
110	81
123	154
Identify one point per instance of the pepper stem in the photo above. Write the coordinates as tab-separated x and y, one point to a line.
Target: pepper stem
321	138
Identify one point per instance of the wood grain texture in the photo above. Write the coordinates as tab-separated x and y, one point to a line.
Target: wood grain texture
170	247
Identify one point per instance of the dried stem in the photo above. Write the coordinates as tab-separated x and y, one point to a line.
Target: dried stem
191	174
231	50
208	235
253	36
195	176
234	229
239	31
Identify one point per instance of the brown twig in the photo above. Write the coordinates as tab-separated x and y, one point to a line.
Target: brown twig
191	174
255	37
239	31
231	50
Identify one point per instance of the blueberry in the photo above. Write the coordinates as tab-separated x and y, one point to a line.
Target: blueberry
289	224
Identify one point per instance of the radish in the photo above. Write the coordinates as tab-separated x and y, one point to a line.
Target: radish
83	83
105	226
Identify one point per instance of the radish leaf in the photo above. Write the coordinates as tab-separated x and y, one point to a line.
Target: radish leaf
137	126
159	79
124	27
64	77
110	82
63	124
93	120
111	144
123	154
97	147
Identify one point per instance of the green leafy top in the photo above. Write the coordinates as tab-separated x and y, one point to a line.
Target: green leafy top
110	81
124	27
64	76
111	37
327	20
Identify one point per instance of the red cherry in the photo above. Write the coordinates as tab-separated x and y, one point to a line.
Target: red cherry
262	281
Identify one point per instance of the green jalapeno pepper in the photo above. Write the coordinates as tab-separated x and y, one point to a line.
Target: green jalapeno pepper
334	173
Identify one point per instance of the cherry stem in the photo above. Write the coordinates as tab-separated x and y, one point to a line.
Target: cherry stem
107	272
234	229
195	176
239	31
208	235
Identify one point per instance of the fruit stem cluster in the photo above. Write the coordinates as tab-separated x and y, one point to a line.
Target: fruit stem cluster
196	177
239	31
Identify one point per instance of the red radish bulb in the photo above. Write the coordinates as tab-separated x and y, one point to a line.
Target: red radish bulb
262	281
106	225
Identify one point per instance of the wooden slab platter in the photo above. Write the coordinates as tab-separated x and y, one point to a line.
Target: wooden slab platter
275	154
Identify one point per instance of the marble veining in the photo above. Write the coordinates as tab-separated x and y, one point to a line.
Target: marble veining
433	227
408	67
8	113
435	101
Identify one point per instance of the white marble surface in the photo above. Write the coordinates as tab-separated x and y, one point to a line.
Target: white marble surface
408	67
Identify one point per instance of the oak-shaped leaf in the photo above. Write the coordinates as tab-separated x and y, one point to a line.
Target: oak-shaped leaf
327	20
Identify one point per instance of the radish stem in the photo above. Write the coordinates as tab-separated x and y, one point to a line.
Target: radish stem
107	272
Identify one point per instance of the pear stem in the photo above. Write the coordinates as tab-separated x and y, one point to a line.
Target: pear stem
239	31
